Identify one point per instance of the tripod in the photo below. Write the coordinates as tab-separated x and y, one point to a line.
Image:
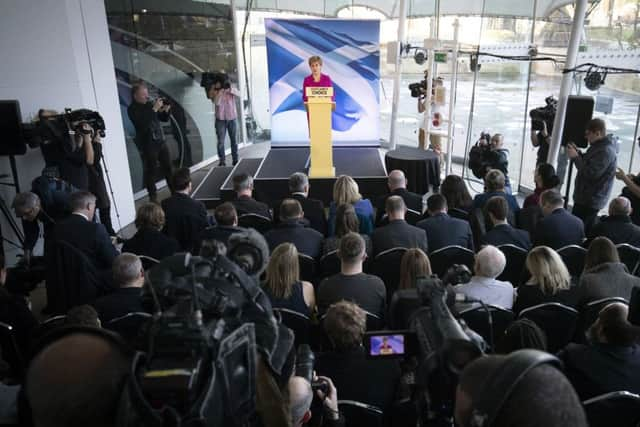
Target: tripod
5	209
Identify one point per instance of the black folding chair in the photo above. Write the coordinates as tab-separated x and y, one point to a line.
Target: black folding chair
403	304
558	321
129	325
458	213
148	262
307	267
360	414
516	258
298	323
412	217
11	352
477	319
573	257
629	256
386	265
329	264
260	223
443	258
618	408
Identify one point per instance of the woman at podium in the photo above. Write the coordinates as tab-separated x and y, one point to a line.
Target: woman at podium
316	79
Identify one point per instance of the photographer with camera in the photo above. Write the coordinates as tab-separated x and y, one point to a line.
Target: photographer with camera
224	98
146	116
541	129
489	153
301	396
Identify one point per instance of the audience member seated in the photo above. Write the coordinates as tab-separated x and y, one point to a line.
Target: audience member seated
292	229
397	233
82	315
443	230
397	184
521	334
346	222
149	240
502	233
494	185
79	230
351	283
546	179
244	202
490	262
457	196
77	380
185	217
415	263
542	397
558	228
128	278
346	191
226	224
604	275
611	362
313	208
300	399
549	282
283	284
618	227
358	378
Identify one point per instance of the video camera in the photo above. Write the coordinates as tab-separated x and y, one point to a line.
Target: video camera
418	89
482	156
56	128
546	114
208	79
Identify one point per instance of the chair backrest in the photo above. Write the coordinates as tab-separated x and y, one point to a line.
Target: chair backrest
478	320
618	408
258	222
589	313
307	267
516	258
528	218
386	265
11	352
329	264
402	305
573	257
443	258
148	262
412	217
558	321
129	325
629	256
298	323
360	414
458	213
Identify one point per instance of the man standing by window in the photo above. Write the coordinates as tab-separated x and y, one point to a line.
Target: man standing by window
224	99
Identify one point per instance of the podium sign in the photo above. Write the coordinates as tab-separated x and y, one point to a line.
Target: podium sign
319	107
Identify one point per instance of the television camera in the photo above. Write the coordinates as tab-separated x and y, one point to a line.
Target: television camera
56	128
208	79
541	115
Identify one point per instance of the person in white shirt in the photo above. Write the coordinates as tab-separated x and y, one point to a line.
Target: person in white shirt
483	286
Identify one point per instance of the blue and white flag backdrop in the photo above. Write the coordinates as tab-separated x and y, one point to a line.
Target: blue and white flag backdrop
350	52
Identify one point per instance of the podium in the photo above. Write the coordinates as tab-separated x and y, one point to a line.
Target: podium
319	107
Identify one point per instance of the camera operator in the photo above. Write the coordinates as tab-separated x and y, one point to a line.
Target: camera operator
96	180
541	139
146	116
500	159
224	99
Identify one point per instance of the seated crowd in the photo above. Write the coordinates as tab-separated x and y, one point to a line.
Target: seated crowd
352	288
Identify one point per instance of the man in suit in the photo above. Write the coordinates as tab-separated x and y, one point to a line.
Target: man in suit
313	208
397	184
611	362
443	230
244	203
226	225
128	278
291	229
185	218
397	233
502	233
558	228
351	283
618	226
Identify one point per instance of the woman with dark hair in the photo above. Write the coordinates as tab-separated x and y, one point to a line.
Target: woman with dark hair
604	276
545	178
346	221
454	190
149	240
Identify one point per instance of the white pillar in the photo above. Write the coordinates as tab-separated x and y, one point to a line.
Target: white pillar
565	86
452	96
402	20
239	62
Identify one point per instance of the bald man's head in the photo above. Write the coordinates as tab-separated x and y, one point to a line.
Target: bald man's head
76	380
300	397
620	206
396	180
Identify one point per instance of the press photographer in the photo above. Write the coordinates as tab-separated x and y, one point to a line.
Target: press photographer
541	129
489	153
146	116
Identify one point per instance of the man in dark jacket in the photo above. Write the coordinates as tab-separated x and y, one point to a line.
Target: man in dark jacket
226	225
291	229
443	230
618	226
397	234
397	184
596	172
185	218
146	116
502	233
313	208
244	202
558	228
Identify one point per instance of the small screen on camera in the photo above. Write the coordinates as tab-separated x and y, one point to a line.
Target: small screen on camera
386	345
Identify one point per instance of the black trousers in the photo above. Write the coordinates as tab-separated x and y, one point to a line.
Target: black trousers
152	155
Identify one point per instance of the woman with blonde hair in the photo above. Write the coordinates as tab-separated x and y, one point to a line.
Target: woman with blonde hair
346	191
283	284
415	263
550	281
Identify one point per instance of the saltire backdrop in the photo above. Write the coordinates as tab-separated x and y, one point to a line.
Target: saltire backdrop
350	51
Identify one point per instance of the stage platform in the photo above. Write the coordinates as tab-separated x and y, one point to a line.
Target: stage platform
271	175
